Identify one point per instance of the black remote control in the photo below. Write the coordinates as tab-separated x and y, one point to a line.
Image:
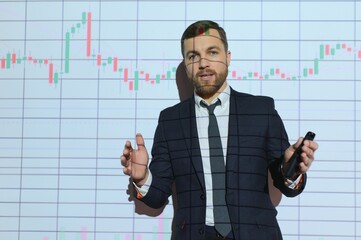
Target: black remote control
294	160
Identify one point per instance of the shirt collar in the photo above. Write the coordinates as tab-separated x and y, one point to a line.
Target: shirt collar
223	97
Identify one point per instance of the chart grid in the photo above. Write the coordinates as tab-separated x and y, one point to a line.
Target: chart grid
78	78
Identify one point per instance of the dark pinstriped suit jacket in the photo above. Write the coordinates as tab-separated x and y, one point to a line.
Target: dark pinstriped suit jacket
256	142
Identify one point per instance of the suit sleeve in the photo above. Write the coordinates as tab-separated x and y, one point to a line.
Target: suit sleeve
277	144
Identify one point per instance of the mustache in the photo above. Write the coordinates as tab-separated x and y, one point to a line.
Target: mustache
204	72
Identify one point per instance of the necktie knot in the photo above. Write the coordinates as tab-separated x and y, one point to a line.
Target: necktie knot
211	107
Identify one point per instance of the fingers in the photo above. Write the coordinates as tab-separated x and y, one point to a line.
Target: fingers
312	145
298	143
126	152
128	149
132	156
140	141
125	159
307	156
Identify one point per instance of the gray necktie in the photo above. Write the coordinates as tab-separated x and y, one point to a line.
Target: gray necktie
220	211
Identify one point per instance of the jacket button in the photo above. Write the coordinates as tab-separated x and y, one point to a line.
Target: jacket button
202	197
201	231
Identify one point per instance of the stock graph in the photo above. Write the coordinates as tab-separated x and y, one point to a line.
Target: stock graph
78	78
84	26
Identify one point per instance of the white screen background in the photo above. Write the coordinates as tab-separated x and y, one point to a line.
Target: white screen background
62	130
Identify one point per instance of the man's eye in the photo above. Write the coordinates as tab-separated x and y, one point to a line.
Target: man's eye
192	57
213	53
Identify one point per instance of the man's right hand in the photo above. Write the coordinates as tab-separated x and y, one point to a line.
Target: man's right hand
135	161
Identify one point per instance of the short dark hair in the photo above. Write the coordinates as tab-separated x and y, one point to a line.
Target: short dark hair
202	27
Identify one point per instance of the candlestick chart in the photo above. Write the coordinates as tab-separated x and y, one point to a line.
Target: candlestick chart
79	78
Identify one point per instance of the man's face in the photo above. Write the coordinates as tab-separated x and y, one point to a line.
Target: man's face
207	63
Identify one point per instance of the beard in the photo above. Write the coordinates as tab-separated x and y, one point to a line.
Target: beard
206	89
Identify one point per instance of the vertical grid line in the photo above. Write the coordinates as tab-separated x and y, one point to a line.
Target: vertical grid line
22	122
60	82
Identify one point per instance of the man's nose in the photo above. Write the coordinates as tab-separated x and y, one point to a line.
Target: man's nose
203	63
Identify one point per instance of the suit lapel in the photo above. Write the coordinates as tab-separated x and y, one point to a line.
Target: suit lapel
189	129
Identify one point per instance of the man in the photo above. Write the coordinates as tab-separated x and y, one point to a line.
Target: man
253	140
